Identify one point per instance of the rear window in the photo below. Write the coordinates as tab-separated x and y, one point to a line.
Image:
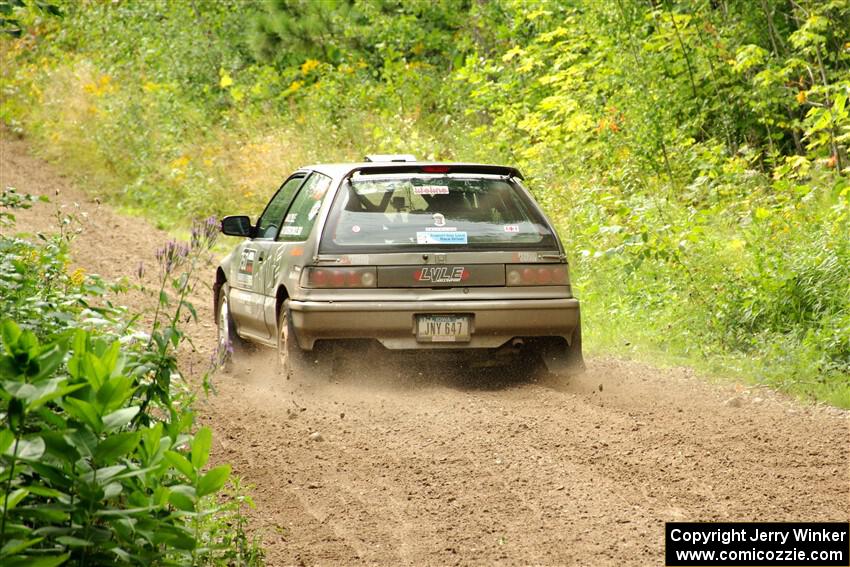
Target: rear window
434	211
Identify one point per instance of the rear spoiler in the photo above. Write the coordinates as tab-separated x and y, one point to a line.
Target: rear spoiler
438	168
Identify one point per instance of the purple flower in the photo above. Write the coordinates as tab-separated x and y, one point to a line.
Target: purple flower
204	233
172	256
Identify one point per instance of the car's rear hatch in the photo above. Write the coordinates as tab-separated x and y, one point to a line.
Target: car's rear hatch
436	229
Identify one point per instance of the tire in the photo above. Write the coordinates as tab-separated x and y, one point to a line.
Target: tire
230	345
575	357
292	361
564	363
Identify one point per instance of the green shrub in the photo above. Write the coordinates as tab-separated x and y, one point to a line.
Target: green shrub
99	463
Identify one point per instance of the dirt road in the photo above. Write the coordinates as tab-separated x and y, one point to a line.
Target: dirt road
428	465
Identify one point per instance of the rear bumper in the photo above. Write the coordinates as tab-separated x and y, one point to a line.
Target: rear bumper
392	323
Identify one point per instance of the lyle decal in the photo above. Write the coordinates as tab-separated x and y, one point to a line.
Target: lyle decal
442	274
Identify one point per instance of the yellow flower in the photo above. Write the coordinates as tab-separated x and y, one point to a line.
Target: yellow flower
801	97
226	80
292	88
308	66
100	87
78	276
180	162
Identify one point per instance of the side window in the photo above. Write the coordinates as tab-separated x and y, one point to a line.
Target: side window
269	222
305	208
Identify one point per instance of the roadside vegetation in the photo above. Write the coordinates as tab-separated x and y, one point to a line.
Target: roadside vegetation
693	154
99	460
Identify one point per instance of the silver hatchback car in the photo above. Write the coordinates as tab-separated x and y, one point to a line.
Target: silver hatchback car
410	255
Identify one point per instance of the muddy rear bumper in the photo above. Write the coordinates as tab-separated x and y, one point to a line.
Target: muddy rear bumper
392	323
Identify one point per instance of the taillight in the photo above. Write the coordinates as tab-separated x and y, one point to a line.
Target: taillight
338	277
435	169
536	274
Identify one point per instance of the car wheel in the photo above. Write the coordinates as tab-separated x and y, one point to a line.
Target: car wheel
291	359
575	358
564	363
230	344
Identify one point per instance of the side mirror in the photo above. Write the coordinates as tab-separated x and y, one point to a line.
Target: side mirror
237	225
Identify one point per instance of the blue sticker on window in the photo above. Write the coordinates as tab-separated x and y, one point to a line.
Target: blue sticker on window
454	237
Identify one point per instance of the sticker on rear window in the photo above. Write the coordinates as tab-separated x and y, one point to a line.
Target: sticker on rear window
290	218
511	228
314	211
292	230
453	237
431	190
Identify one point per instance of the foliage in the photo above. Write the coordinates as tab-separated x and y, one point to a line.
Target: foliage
11	199
693	155
98	462
288	32
38	289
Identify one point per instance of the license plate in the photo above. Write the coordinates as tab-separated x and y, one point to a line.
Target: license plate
442	328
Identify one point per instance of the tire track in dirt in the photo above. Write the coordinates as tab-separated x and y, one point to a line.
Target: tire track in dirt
426	465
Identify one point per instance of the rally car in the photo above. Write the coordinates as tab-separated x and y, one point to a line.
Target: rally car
410	255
